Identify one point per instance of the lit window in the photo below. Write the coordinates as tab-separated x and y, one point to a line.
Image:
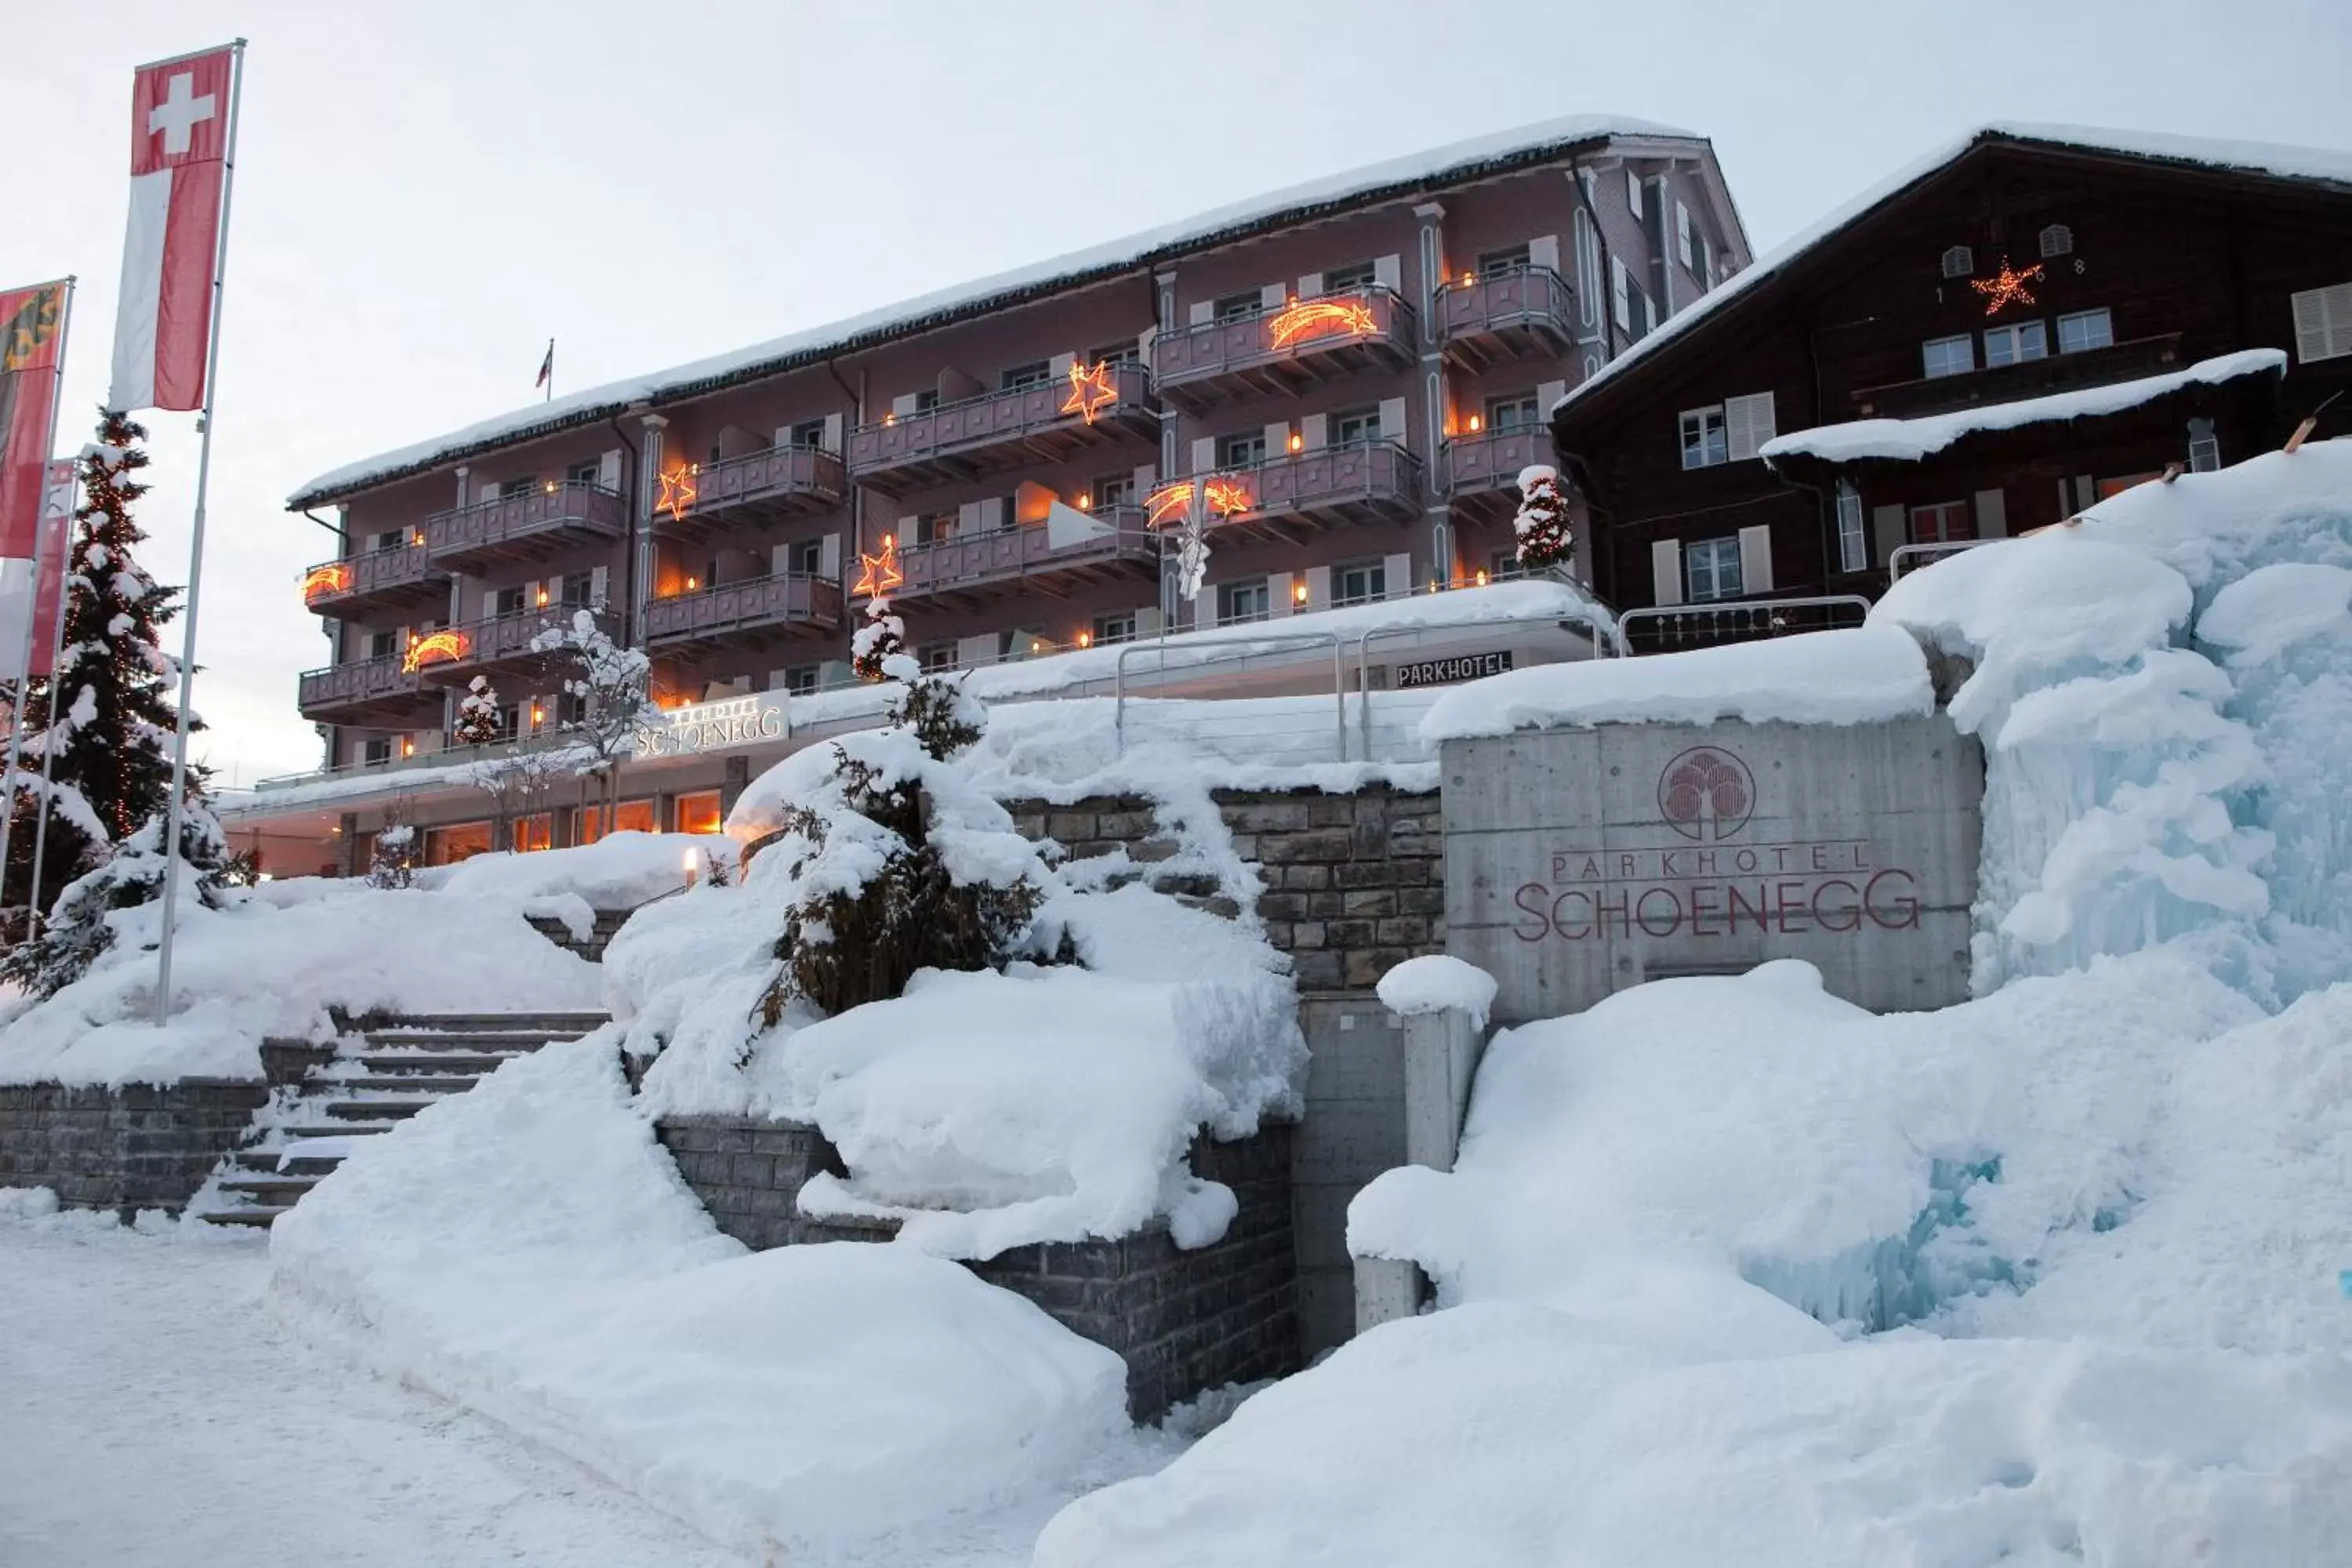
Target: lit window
1115	628
1704	443
1941	523
1244	451
1359	582
1242	602
698	812
1711	568
1948	356
1355	427
1853	546
2322	323
2085	330
2016	343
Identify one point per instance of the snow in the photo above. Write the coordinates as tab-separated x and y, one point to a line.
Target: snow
1137	252
1863	675
1909	440
1438	982
619	871
528	1250
2262	614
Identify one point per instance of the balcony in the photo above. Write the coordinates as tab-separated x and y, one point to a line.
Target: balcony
762	487
1294	497
2029	378
551	521
379	689
454	655
381	579
1505	315
1046	422
1482	471
1010	560
1284	352
750	614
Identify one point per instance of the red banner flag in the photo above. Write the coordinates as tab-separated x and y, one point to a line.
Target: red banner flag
179	139
31	322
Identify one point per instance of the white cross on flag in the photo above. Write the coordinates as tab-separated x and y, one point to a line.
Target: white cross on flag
179	134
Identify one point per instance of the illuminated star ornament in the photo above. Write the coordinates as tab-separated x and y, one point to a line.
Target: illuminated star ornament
434	648
1226	495
877	574
320	581
678	491
2007	285
1092	389
1304	319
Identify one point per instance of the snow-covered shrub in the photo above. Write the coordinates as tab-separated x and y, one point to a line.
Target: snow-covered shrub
84	924
477	713
391	862
882	638
1547	539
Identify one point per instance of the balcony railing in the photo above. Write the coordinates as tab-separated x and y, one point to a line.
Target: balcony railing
2026	378
381	683
1489	463
1011	557
748	611
1048	420
1368	482
382	576
537	523
782	482
1503	315
1284	351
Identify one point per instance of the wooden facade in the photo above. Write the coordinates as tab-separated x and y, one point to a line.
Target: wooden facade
2189	261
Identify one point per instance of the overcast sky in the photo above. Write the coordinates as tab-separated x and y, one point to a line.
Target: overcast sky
428	190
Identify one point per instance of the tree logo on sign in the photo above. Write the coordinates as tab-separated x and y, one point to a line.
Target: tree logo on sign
1707	794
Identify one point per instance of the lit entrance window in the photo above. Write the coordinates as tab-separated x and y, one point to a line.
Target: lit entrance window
699	813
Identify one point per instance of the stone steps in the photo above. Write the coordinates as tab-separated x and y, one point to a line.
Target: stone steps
607	926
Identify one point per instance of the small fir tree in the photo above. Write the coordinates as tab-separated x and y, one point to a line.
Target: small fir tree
392	859
477	713
882	636
81	927
1546	538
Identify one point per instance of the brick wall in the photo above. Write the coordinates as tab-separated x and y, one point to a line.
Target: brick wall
140	1146
1183	1321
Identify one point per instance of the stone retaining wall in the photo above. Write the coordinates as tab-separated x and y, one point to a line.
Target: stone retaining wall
138	1147
1183	1321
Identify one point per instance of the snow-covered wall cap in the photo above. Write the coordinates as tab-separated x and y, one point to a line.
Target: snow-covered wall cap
1438	982
1908	440
1863	676
2320	165
1376	182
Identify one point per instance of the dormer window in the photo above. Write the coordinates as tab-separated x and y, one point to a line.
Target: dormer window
1960	261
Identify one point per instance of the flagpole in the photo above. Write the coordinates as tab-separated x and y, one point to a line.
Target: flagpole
57	657
196	548
33	605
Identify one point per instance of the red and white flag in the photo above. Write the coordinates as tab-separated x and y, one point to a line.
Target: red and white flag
178	142
33	591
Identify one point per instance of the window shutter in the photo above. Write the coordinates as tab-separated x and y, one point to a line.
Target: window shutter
1747	424
1058	367
1992	514
1277	593
1392	420
1318	588
1309	285
1314	432
903	405
1667	572
596	583
1146	479
1890	528
1547	393
1756	560
1543	250
828	556
1278	440
1387	271
974	651
1620	303
1200	313
1634	192
1649	315
779	560
1682	236
608	469
1273	296
488	491
1396	576
972	517
909	529
1204	454
831	433
2322	323
1147	621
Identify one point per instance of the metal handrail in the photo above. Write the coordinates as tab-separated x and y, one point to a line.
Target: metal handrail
1225	652
893	421
1719	607
1897	557
1598	628
550	487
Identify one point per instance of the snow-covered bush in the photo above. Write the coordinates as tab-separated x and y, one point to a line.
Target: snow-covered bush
391	862
86	922
1547	538
882	638
477	713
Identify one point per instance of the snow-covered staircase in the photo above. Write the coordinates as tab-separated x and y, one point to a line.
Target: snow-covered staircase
382	1072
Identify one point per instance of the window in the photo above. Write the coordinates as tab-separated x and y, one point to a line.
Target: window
1497	263
377	752
509	602
1355	427
1502	563
510	720
2015	344
1960	261
805	556
589	473
1634	192
1359	582
2204	447
1244	601
1682	237
382	644
936	657
2085	330
807	433
1705	261
629	817
1649	315
1704	443
697	813
936	528
1119	627
1111	490
1514	412
2322	323
1242	451
570	710
448	846
1941	523
1124	352
1036	373
800	680
1239	307
2057	240
1853	546
1621	305
1355	275
579	588
1948	356
535	833
1711	568
518	487
390	539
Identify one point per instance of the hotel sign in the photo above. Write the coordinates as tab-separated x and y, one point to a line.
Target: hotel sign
1446	672
719	726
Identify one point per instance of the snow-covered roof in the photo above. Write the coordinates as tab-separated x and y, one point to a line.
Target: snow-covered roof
1441	166
2319	166
1908	440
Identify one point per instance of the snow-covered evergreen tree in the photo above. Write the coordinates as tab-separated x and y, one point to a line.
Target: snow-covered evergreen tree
1547	538
392	859
82	926
883	635
477	713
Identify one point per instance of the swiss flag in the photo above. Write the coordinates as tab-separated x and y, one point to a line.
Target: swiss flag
179	140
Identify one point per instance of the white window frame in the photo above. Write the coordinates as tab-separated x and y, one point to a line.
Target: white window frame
808	550
1704	421
1373	575
1365	423
1633	194
588	473
1682	237
1018	377
2017	335
1524	409
2106	336
1854	541
1621	294
1940	508
1237	306
1506	260
1964	341
1244	443
807	433
1114	626
936	657
2204	447
1709	557
1230	595
1352	278
1111	490
2323	322
801	680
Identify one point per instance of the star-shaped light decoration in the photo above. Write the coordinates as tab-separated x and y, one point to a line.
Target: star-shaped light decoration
679	490
1226	495
2006	286
1303	318
1092	389
877	574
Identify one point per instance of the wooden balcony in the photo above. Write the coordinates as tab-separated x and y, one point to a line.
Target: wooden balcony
364	691
2029	378
1295	496
1520	313
761	487
1046	422
1015	560
754	613
1284	352
548	522
379	579
1482	471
